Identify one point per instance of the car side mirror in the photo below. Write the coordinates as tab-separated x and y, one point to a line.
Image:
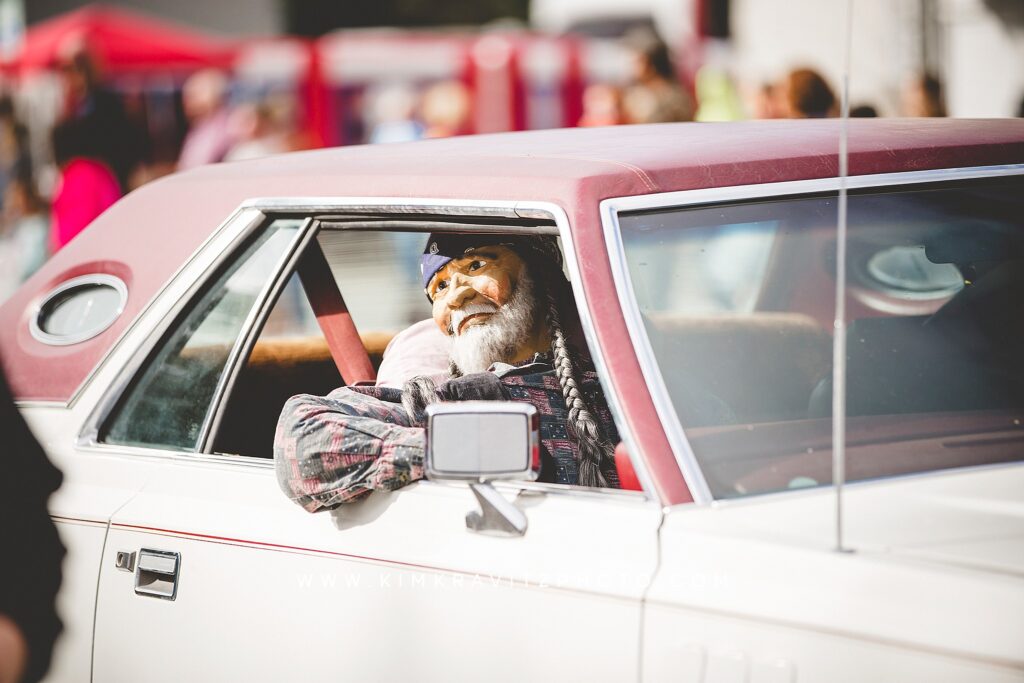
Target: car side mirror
481	442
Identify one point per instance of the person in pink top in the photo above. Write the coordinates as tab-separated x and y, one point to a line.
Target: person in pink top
86	186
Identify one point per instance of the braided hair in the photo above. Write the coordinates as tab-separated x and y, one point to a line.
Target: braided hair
582	426
544	260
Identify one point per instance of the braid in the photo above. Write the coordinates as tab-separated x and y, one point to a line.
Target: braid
581	424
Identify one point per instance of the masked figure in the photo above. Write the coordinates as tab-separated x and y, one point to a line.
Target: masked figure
500	302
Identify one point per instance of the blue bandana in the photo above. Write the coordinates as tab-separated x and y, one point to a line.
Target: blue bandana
442	248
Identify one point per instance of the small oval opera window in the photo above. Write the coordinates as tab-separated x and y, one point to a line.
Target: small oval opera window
79	309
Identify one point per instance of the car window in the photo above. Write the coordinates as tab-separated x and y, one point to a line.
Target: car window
721	270
385	263
167	405
737	303
290	356
376	274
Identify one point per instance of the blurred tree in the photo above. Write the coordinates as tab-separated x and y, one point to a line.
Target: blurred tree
316	17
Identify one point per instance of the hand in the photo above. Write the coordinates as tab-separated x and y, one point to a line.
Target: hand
13	651
479	386
417	394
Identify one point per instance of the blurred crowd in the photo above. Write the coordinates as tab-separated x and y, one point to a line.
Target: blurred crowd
98	149
656	94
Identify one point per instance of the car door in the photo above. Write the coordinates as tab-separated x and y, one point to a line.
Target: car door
751	587
211	572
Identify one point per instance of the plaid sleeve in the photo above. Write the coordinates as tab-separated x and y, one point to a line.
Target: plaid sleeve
334	449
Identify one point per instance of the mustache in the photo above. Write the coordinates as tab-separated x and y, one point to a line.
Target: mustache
461	314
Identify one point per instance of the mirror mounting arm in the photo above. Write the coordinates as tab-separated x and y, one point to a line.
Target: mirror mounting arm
497	515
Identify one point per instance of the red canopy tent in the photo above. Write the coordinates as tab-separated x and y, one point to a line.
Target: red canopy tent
122	42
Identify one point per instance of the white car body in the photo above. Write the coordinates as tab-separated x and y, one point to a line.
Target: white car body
604	585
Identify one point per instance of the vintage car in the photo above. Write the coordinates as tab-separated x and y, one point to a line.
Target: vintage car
153	354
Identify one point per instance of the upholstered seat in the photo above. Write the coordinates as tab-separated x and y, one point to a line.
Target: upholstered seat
762	366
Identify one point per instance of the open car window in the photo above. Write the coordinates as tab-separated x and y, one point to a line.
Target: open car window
375	273
309	305
737	303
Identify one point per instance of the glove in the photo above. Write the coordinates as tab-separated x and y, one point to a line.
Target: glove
479	386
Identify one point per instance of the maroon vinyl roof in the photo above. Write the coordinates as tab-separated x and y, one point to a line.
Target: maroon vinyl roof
144	238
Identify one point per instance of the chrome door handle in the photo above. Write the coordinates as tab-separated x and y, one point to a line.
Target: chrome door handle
156	574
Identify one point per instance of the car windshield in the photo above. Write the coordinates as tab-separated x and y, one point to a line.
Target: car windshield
738	300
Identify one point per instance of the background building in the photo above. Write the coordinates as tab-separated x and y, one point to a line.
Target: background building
230	17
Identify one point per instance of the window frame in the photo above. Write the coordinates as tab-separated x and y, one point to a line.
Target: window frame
251	327
170	322
382	214
610	210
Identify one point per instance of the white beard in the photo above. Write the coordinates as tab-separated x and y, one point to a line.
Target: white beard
498	338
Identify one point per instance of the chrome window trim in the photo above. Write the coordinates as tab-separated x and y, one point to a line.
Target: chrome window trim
166	454
263	209
717	195
378	205
247	333
33	403
234	232
610	210
44	337
217	232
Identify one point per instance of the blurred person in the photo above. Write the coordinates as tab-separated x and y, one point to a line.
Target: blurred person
261	129
764	102
445	109
30	574
25	232
86	186
863	111
13	142
923	97
205	100
117	141
391	111
805	94
716	93
655	95
602	105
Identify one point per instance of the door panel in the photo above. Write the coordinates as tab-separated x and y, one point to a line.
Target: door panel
391	586
76	600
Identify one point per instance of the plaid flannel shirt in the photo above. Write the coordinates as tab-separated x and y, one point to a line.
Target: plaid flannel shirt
334	449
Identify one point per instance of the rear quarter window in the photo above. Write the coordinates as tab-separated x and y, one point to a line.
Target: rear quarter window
737	303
